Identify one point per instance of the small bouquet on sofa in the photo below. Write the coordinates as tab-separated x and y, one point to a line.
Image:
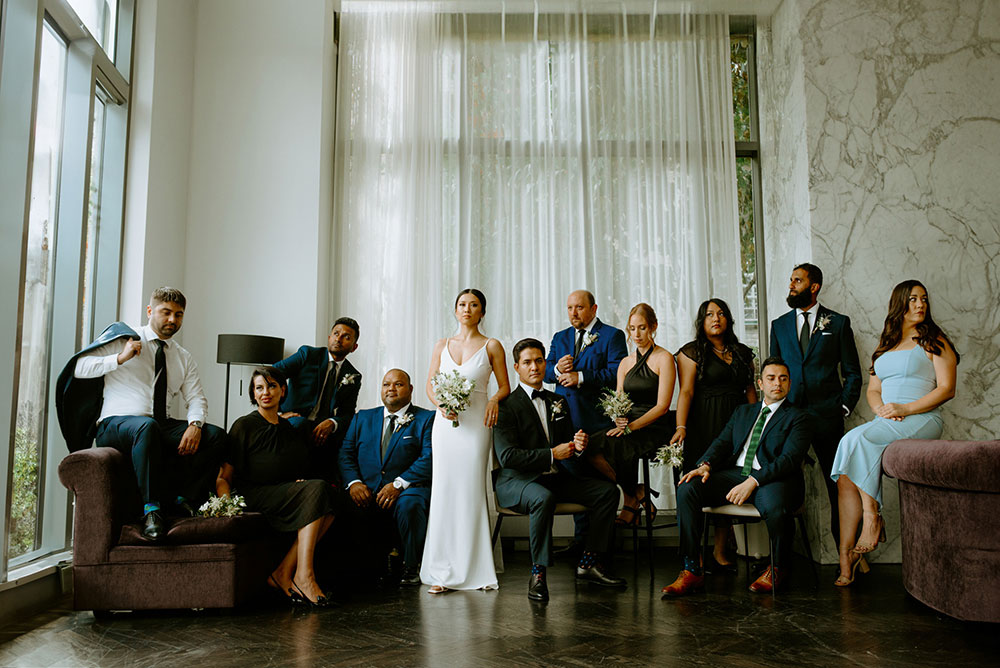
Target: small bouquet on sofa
453	392
229	505
670	455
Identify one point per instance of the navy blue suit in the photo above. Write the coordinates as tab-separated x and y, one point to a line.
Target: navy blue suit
408	456
781	491
816	384
306	370
526	483
599	363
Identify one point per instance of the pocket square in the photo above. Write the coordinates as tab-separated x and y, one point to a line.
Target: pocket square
827	333
409	438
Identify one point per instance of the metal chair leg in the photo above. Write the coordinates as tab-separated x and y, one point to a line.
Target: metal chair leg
746	547
496	530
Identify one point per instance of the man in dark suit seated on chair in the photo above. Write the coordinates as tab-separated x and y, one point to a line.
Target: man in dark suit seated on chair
756	459
533	438
323	391
385	460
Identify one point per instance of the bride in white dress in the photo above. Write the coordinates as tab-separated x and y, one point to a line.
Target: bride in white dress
457	552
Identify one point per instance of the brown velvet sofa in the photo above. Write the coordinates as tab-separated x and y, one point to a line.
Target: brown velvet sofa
949	498
203	563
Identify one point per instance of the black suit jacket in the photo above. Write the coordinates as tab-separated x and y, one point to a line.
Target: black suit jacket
783	443
306	370
79	400
520	444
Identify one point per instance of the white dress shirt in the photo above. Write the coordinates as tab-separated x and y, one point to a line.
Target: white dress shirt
746	444
576	334
128	387
385	422
543	417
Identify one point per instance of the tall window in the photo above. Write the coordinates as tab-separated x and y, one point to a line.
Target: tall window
68	141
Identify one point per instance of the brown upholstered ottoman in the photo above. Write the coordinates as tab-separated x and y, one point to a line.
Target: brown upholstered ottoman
949	498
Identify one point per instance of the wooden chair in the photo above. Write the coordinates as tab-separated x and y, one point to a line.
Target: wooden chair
748	514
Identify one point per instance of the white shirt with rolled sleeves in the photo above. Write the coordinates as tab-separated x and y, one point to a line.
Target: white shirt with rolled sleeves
128	387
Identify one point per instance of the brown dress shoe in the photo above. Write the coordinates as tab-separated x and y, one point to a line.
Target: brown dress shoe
686	583
766	582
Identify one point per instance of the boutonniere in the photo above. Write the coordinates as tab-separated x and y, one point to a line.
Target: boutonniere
587	340
404	420
558	407
349	379
822	322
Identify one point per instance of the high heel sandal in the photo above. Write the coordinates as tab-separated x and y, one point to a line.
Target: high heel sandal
284	595
865	548
299	596
631	522
844	581
437	589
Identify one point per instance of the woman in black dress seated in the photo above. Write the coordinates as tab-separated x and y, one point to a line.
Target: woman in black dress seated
716	376
269	466
647	376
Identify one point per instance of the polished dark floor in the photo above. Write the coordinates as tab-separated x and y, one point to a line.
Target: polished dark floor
873	624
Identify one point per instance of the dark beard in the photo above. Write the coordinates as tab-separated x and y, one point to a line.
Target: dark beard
801	300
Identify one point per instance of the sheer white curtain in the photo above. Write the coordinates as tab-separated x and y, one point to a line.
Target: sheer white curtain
528	155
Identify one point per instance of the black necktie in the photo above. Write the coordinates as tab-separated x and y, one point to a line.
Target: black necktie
387	436
804	333
579	342
323	407
160	382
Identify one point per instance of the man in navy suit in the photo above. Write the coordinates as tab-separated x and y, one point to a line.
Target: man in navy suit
385	460
533	438
582	363
757	459
323	392
818	345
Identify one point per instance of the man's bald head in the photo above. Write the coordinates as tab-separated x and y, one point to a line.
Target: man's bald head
396	389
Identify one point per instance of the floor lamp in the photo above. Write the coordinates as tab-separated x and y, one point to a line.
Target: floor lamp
246	349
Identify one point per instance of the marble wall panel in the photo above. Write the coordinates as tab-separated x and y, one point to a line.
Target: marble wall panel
901	127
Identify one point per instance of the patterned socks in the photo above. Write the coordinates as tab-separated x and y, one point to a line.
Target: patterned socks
149	507
538	569
587	559
691	564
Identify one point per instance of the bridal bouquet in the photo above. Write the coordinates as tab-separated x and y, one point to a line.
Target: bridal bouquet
223	506
453	392
670	455
615	405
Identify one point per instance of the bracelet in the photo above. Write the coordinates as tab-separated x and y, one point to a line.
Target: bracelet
627	431
680	426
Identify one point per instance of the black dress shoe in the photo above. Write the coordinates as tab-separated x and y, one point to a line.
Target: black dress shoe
185	509
537	589
597	576
410	577
574	550
155	527
713	567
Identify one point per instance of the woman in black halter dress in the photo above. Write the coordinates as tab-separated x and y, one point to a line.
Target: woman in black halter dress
647	376
716	376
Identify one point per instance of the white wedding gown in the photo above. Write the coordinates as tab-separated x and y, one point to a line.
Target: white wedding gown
457	551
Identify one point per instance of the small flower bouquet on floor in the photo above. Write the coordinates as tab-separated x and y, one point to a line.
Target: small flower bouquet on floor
453	392
230	505
670	455
616	405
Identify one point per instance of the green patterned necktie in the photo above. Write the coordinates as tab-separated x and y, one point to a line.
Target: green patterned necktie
758	427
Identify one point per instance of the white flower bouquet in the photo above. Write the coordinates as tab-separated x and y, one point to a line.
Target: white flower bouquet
670	455
453	392
223	506
616	405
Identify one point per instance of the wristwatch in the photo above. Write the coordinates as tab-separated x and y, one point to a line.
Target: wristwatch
397	484
197	423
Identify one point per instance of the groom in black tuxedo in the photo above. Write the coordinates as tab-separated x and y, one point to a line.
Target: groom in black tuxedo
533	439
823	366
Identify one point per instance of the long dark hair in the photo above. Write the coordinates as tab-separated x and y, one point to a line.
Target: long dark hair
475	293
929	335
742	355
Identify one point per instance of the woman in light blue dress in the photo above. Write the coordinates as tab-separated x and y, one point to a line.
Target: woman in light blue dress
912	374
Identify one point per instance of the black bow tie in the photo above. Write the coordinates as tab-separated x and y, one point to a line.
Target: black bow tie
537	394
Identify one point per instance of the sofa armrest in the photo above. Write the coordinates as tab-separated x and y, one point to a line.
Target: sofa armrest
966	465
92	475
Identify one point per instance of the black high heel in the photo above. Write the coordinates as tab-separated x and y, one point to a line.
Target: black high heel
299	596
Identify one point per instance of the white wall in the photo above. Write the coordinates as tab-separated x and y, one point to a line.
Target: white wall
156	205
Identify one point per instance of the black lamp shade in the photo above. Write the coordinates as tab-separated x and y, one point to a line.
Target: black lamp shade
249	349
